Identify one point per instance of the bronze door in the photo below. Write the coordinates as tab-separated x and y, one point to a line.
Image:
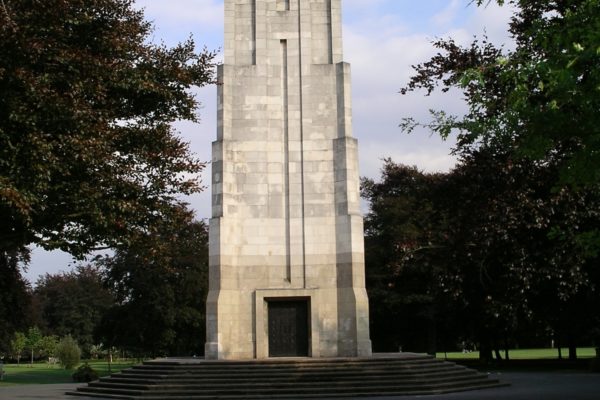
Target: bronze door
288	328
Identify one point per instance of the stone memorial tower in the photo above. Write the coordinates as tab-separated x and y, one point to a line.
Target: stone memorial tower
286	234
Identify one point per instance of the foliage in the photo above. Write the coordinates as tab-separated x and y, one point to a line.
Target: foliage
68	352
15	297
514	246
87	154
17	345
48	345
485	251
33	341
160	283
73	304
402	224
85	373
539	99
522	206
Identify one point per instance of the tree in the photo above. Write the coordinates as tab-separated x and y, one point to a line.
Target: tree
87	155
33	341
402	236
515	245
68	352
529	148
160	283
17	345
541	98
73	304
482	251
15	296
48	345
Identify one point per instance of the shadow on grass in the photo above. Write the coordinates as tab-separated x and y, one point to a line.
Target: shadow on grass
43	373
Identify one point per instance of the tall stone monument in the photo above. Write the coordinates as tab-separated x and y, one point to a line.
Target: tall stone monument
286	234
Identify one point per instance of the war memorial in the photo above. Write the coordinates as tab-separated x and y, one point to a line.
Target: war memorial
286	234
287	310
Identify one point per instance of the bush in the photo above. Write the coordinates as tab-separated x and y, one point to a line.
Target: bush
68	352
85	373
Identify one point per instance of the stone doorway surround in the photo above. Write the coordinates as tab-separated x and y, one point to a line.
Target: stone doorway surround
261	305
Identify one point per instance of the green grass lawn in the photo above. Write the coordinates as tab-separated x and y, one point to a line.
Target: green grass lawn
42	373
524	354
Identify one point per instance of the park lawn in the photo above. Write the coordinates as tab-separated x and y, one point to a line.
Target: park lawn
524	354
44	373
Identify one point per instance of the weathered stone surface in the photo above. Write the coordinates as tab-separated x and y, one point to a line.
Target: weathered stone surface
286	219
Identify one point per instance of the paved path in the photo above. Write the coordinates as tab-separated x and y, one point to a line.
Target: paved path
524	386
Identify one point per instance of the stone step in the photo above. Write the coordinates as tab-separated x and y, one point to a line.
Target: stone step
294	379
270	362
344	382
303	371
137	379
163	370
264	368
292	393
194	379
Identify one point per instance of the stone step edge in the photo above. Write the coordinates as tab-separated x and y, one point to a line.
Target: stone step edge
282	385
420	392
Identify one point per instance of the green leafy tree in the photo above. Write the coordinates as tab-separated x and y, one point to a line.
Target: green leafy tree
73	304
529	147
17	345
160	283
68	352
33	341
483	251
515	246
88	158
15	296
48	346
538	99
402	237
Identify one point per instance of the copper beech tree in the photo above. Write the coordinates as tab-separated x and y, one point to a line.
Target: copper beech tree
88	157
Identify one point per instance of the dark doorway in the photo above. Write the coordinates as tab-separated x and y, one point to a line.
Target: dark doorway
288	328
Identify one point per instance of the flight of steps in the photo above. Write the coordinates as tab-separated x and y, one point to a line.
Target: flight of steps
381	375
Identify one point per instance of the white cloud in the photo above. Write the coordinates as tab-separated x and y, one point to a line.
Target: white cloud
209	13
448	14
381	64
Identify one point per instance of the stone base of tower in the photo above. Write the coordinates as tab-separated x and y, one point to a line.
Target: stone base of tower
268	323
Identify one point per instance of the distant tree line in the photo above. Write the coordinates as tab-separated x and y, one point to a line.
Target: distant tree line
488	255
144	302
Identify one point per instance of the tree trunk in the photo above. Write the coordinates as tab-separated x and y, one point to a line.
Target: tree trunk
572	352
497	353
485	350
431	336
31	365
572	348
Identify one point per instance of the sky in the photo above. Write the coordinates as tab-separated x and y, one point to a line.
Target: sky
382	40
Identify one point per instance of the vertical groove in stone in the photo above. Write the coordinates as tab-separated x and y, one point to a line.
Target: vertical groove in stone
329	33
301	89
254	32
286	156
